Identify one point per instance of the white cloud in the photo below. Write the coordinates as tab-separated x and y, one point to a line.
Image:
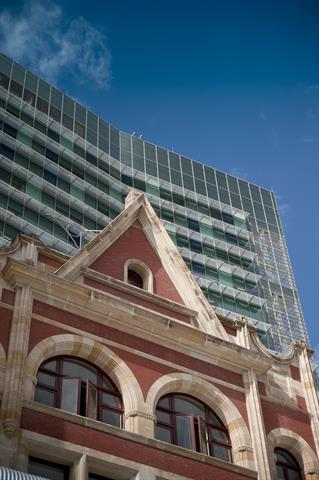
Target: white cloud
262	116
237	172
39	38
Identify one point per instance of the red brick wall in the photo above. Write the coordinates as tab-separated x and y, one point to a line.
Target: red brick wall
5	326
49	261
7	296
128	449
295	373
69	319
277	416
133	243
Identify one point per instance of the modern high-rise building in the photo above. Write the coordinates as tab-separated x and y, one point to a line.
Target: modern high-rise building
65	173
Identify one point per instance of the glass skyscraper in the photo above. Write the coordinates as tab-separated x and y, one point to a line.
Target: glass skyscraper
65	173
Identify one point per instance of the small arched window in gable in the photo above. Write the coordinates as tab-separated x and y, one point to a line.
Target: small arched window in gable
138	274
287	467
133	278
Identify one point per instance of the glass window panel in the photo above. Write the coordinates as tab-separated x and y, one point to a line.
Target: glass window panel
212	191
110	417
198	171
190	406
176	178
150	151
4	81
219	435
70	394
188	182
16	88
76	368
200	187
186	166
5	64
174	161
31	82
151	168
164	402
224	196
29	97
221	179
163	416
184	431
48	470
138	146
46	379
44	396
222	453
44	90
163	173
67	121
162	156
112	400
163	434
280	472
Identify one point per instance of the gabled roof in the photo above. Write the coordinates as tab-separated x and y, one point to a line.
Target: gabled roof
138	209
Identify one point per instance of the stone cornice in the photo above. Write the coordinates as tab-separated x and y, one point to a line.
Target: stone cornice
139	439
139	321
137	292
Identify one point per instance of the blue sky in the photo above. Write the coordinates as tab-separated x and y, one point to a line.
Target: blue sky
234	84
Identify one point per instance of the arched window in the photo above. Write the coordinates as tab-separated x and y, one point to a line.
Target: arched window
133	278
77	386
138	274
287	467
189	423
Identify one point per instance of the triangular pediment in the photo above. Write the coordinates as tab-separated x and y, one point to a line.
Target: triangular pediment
137	233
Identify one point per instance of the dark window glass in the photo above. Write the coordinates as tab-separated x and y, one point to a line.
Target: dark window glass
79	387
195	246
287	467
193	224
162	156
198	171
29	97
186	166
174	161
16	88
133	278
189	423
55	113
4	81
45	469
6	151
79	129
10	130
163	173
67	121
54	135
212	191
42	105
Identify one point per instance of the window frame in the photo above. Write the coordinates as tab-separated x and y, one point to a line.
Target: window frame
292	466
196	421
83	385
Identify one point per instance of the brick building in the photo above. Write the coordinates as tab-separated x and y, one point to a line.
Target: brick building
113	365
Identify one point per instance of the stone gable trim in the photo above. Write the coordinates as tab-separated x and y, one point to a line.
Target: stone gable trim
144	294
91	304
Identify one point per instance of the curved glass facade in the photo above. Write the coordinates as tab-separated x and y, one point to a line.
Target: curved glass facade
65	173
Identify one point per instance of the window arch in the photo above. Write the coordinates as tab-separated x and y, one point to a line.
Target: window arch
287	467
189	423
79	387
138	274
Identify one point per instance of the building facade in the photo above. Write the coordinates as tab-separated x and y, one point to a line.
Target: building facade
114	366
65	174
